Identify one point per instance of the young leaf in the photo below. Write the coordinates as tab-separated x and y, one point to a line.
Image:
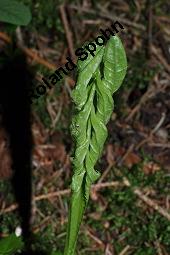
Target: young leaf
98	79
14	12
10	245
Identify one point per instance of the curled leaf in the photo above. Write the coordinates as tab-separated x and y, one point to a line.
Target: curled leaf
98	79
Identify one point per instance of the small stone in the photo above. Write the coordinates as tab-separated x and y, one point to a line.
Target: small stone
18	231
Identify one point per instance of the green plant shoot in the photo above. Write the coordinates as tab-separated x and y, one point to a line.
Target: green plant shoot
98	78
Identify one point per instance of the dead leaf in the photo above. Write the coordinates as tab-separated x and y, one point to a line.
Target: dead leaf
110	154
113	153
150	168
48	153
131	159
95	215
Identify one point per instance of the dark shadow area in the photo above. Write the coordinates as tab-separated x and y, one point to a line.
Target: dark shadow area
30	252
15	84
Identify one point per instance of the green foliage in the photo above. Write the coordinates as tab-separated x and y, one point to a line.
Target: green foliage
98	78
45	17
133	222
14	12
139	73
56	253
10	245
40	109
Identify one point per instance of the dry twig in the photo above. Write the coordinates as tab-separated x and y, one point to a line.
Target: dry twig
123	252
108	16
60	193
30	53
68	31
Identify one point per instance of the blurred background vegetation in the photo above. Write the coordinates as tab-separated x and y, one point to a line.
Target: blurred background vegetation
129	209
